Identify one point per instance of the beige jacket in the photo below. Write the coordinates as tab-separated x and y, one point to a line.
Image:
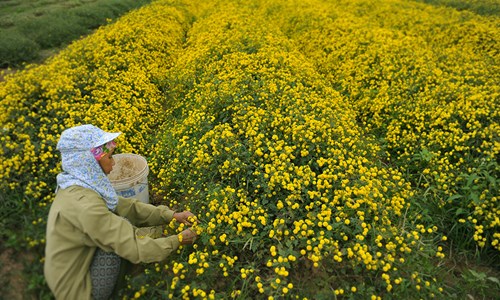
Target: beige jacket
79	222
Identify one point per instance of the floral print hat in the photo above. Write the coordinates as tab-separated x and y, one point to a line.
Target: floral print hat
80	166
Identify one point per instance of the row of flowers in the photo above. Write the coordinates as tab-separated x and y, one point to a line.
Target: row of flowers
427	85
293	199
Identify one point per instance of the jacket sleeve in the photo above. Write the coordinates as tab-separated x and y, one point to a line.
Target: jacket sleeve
142	214
114	233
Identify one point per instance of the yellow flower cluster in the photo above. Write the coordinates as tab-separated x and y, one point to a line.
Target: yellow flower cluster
273	159
109	79
305	136
426	84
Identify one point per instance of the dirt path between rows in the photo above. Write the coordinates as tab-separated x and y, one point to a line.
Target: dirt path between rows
5	72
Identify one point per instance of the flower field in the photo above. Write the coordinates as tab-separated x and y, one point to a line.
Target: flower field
330	149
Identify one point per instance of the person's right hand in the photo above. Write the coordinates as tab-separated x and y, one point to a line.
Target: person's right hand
183	217
188	237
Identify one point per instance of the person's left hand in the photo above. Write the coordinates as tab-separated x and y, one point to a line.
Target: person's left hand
183	217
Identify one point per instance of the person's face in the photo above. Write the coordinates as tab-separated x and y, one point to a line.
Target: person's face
107	162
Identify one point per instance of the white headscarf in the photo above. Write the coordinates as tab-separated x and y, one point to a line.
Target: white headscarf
79	165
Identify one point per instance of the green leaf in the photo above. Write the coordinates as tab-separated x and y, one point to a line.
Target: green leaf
475	198
460	211
426	155
478	275
494	279
471	179
492	180
457	196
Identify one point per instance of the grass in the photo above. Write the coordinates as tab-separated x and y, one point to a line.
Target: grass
30	28
480	7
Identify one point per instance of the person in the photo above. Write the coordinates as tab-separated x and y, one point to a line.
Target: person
90	230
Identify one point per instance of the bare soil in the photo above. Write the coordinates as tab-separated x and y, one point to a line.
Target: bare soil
13	285
5	72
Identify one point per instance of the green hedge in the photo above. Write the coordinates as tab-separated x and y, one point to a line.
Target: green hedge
27	31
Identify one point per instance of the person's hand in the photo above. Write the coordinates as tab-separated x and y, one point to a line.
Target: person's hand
183	217
188	237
